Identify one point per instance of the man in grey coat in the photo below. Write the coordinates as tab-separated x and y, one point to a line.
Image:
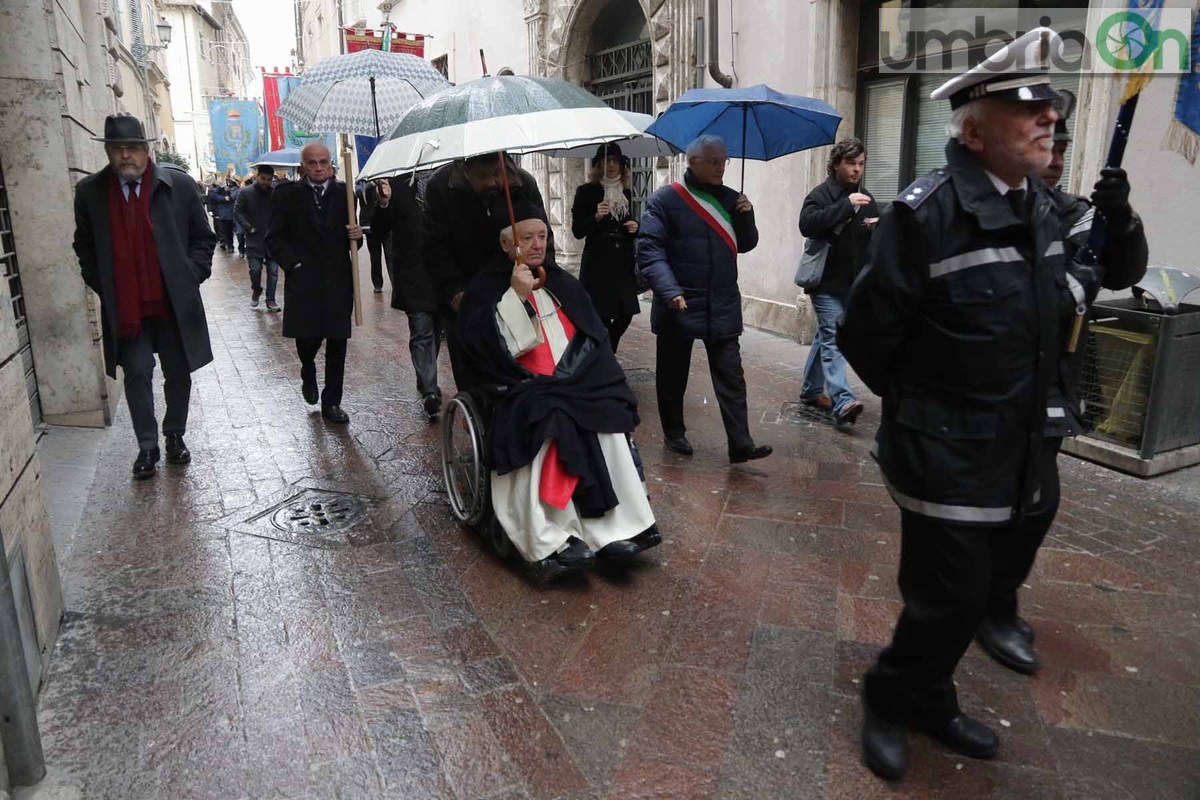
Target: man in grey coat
144	247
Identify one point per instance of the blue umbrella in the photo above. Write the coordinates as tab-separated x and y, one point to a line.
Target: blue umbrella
287	157
756	122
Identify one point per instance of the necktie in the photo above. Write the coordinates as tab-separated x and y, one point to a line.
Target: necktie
319	189
131	190
1016	200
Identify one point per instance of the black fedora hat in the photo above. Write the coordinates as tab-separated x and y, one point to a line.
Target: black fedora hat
123	129
610	150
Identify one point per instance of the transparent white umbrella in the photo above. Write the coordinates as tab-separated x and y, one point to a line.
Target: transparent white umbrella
510	113
645	145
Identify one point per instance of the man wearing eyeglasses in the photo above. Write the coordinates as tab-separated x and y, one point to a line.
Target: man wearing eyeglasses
690	237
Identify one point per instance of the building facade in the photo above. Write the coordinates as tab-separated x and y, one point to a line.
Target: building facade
209	58
65	67
140	76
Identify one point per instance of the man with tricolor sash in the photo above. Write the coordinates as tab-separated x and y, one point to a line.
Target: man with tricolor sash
690	237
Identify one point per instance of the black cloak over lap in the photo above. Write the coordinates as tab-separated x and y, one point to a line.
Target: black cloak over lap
586	395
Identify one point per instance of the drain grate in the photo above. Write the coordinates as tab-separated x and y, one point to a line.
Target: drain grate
319	514
801	414
316	516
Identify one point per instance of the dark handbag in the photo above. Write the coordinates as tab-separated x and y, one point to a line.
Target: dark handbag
812	262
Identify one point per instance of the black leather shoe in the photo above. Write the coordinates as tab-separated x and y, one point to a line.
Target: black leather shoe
177	452
648	538
885	747
576	554
965	736
143	467
433	404
335	414
622	550
1025	629
751	453
1008	647
309	389
679	444
574	558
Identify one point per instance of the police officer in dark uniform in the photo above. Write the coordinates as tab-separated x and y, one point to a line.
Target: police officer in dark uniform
959	322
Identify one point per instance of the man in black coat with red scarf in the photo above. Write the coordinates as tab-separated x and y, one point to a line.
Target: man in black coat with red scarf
310	237
144	247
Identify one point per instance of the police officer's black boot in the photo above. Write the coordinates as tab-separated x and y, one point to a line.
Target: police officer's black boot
1009	645
885	746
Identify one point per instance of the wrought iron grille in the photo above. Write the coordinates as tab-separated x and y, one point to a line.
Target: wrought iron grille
1116	381
623	77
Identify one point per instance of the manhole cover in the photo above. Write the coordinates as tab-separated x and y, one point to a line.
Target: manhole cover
319	514
804	414
315	516
639	375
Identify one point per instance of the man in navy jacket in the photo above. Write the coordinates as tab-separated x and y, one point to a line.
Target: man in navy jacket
688	244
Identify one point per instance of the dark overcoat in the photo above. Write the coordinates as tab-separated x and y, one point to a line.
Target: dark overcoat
461	229
402	231
185	249
680	254
828	216
312	248
606	268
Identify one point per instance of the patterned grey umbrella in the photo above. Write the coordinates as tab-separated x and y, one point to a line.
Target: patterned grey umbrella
364	92
515	114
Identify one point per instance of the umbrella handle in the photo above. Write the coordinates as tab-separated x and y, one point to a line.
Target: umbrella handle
540	272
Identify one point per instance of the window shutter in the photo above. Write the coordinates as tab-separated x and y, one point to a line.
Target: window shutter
932	117
884	127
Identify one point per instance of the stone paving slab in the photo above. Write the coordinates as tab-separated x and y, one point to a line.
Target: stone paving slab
202	659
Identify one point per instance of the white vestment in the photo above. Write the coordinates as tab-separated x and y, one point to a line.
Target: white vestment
536	528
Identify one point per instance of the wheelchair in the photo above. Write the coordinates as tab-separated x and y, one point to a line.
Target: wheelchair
466	469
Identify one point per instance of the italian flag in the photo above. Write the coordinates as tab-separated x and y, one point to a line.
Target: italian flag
711	211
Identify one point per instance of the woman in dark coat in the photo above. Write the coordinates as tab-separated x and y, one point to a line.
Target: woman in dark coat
602	214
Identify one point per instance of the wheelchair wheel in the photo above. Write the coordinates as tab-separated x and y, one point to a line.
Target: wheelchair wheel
498	538
463	465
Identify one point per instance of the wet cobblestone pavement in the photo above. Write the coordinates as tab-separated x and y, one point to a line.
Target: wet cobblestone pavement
208	654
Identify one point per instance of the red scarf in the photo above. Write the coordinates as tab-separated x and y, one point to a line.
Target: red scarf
136	271
555	484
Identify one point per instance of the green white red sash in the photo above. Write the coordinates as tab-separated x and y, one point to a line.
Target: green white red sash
711	211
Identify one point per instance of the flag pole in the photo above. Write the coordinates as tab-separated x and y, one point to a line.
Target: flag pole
353	218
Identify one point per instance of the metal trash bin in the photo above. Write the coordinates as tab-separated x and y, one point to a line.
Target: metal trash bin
1141	379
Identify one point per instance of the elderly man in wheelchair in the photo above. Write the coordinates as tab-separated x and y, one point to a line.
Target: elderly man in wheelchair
557	457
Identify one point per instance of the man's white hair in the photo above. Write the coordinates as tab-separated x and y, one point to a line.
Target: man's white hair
506	235
700	143
976	110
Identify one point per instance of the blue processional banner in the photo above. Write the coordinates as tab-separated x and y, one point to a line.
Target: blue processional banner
1183	136
236	134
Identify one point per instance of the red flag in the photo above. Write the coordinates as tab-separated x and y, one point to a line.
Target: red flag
272	100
